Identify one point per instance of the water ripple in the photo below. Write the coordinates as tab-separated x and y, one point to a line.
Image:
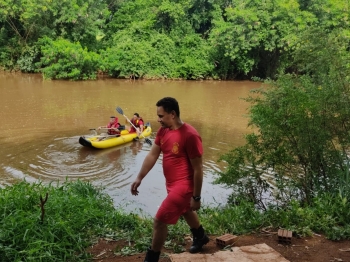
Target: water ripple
114	169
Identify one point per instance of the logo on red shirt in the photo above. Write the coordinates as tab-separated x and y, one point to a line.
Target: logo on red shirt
175	149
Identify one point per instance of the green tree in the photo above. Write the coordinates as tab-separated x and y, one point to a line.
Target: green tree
302	124
155	39
76	20
24	22
249	31
330	14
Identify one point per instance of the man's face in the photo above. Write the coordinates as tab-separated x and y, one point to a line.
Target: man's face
164	118
135	117
112	119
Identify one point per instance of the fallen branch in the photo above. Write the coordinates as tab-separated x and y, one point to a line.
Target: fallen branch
42	203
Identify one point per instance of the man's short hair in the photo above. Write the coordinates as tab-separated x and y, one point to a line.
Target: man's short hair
169	104
136	114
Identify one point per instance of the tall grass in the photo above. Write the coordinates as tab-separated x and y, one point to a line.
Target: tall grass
77	214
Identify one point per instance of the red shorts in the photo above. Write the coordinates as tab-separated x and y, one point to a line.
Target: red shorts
175	204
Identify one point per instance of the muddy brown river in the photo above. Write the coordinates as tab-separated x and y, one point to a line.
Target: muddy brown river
42	121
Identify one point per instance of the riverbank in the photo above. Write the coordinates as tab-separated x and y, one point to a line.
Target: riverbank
312	249
60	222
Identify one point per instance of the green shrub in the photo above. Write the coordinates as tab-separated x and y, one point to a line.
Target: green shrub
133	56
62	59
302	128
30	56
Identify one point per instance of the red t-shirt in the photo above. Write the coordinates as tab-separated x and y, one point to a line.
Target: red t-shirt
178	147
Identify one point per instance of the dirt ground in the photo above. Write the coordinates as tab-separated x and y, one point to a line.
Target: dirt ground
316	249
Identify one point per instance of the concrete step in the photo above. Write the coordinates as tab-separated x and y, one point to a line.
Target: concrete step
254	253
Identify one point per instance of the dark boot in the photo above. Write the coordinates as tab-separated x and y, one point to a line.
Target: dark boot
199	239
152	256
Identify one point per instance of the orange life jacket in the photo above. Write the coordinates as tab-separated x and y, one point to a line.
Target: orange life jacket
115	124
136	122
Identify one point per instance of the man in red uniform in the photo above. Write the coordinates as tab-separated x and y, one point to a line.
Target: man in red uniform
137	122
112	126
182	150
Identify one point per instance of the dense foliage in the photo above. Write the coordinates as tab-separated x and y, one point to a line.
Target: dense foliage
300	151
63	59
187	39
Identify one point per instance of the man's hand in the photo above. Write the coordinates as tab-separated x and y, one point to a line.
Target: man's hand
138	131
134	187
195	205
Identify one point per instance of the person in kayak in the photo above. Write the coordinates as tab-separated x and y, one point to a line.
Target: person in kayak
112	126
137	121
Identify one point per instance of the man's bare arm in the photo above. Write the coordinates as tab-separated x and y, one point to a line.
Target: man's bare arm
147	165
197	165
149	161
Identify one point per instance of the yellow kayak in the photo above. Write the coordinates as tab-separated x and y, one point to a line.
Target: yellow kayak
100	141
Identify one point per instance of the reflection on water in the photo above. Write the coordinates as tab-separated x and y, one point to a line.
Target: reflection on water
43	120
